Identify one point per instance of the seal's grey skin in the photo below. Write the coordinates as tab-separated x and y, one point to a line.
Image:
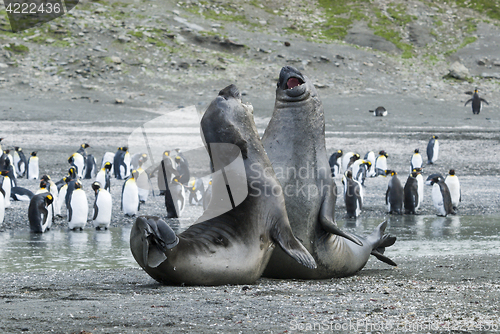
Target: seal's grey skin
233	247
295	143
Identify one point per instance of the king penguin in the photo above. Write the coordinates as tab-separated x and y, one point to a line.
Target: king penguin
476	102
55	194
441	197
454	187
370	156
420	187
182	169
380	111
416	160
33	169
395	194
178	195
143	182
62	195
353	196
196	191
39	212
381	163
104	176
411	199
346	158
335	162
432	150
78	209
6	187
77	160
108	157
20	161
21	194
130	195
90	167
102	207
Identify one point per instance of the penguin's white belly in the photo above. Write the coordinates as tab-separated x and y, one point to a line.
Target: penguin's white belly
2	208
143	186
416	161
33	170
80	209
420	190
454	187
437	199
130	200
62	198
104	204
101	178
7	189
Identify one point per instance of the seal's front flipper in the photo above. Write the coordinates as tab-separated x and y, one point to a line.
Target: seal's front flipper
326	219
281	233
382	241
156	238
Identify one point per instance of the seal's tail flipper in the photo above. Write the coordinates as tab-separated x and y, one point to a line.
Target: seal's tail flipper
382	241
282	234
156	238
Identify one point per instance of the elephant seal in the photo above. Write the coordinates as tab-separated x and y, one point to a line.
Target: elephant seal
295	143
231	247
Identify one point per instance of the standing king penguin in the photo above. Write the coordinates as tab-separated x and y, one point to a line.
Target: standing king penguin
432	150
353	196
78	209
416	160
381	163
39	212
102	207
454	187
20	161
130	195
33	170
335	161
104	176
411	200
476	102
394	194
441	197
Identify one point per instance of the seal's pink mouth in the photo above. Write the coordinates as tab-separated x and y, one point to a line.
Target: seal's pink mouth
293	82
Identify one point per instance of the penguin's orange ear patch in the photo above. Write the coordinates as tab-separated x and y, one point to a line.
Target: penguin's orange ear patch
50	197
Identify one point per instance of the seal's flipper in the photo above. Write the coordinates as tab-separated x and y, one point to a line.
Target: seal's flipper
383	258
282	234
326	219
382	241
157	237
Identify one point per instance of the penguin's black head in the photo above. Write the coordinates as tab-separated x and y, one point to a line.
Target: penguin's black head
72	171
166	153
78	185
390	172
125	148
435	179
108	165
6	151
416	150
18	149
435	137
451	172
384	153
33	154
414	174
349	174
43	184
96	186
45	178
475	90
85	145
48	200
135	174
340	152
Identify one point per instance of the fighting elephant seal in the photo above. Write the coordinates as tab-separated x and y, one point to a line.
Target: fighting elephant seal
232	247
295	143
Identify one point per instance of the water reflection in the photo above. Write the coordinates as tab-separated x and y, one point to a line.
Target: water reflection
63	249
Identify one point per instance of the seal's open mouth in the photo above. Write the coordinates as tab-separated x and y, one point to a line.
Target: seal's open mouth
293	82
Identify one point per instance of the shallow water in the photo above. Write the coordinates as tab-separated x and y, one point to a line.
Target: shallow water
62	249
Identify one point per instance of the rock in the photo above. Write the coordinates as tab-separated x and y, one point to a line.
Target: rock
50	40
2	65
116	60
184	65
100	10
361	35
320	85
458	71
496	63
176	12
287	44
419	35
263	22
482	62
98	48
491	75
119	101
123	39
323	58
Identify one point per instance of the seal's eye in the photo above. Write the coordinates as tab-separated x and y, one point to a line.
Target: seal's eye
293	82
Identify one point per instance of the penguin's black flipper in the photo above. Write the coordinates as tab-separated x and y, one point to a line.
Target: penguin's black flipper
96	209
483	100
469	100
